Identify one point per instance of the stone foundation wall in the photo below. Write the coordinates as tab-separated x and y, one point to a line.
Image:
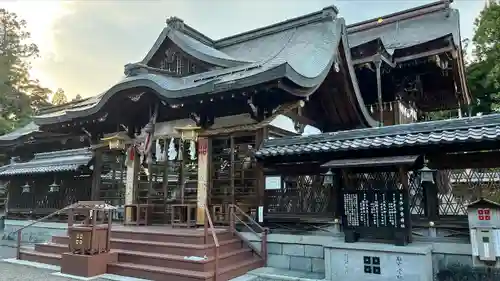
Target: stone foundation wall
300	257
307	252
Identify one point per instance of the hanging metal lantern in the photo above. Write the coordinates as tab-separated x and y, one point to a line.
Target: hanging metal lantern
328	178
26	188
54	187
117	141
426	174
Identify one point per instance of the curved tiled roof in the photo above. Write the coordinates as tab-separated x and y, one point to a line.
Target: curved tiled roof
301	50
50	162
462	130
410	32
24	131
194	48
303	53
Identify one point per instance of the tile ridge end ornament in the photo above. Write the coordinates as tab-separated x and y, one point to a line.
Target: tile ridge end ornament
175	23
330	12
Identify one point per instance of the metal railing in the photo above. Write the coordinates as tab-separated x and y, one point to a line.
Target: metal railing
209	224
20	230
234	211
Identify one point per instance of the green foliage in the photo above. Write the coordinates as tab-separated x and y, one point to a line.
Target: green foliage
20	95
483	74
59	97
458	272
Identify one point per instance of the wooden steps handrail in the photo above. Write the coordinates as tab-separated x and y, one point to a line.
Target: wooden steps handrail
209	223
265	231
247	216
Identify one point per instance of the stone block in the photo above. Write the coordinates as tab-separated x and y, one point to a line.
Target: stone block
318	265
278	261
301	264
256	244
295	250
458	259
314	251
274	248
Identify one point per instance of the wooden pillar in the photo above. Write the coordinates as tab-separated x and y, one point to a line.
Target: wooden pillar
204	151
131	185
96	175
378	64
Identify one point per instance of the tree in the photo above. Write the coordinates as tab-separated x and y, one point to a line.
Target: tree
483	74
59	97
15	54
39	95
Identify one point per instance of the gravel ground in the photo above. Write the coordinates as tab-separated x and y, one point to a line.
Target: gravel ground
15	272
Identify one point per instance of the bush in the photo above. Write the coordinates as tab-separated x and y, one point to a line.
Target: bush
459	272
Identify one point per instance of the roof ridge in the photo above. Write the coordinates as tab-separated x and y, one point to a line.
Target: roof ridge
179	24
327	13
400	15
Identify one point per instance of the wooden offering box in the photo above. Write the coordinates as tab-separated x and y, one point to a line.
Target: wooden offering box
89	245
88	240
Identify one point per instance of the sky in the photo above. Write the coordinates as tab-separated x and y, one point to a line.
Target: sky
85	44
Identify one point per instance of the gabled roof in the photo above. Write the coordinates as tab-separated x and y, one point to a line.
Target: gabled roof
461	130
408	28
300	50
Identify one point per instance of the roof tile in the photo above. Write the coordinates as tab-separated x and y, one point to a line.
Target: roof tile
484	128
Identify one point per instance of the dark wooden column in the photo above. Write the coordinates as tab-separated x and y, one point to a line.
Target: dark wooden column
378	64
430	194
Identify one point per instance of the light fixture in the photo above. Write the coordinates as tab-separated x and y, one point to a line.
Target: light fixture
117	141
26	188
54	187
328	178
426	174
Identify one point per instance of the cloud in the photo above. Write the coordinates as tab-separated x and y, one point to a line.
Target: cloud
95	39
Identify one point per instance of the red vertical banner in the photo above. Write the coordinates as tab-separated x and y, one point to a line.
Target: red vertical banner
202	146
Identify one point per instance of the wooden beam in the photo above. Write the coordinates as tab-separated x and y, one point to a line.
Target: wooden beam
424	54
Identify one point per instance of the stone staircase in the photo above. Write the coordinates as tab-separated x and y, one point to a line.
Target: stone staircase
163	255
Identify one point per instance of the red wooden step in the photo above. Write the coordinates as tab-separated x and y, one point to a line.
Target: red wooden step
197	237
239	268
176	261
35	256
52	248
180	249
157	273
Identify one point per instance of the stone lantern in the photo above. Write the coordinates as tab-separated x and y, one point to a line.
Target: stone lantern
89	242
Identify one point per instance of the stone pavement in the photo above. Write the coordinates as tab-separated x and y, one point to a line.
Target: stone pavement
15	272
